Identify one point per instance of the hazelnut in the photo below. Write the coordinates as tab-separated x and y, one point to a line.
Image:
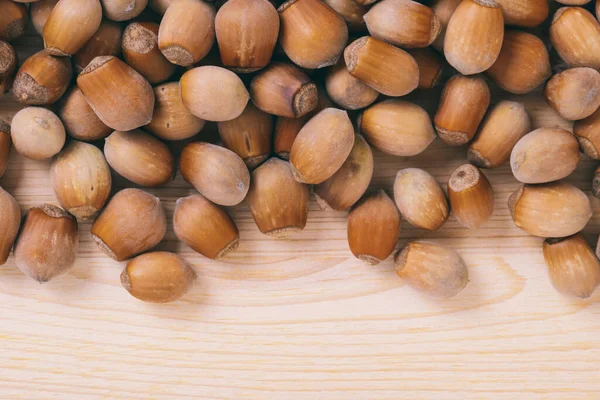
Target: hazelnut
140	158
556	209
312	34
10	220
39	12
431	268
278	203
587	132
133	222
575	34
526	13
81	179
47	243
217	173
385	68
350	182
158	277
213	93
286	130
462	106
5	142
247	32
474	36
80	121
121	97
471	196
420	199
431	67
443	9
13	20
373	228
397	127
316	157
403	23
42	79
37	133
506	123
574	93
106	41
123	10
187	31
8	66
160	6
352	11
545	155
573	268
70	25
347	91
205	226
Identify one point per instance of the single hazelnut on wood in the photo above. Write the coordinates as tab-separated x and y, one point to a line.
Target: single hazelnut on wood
187	31
13	20
573	267
431	67
373	228
587	132
350	182
574	93
404	23
123	10
315	157
462	106
247	32
10	220
133	222
431	268
42	79
347	91
278	203
545	155
8	66
575	34
312	34
213	93
471	196
121	97
556	209
420	199
39	12
217	173
352	11
205	226
506	123
70	25
158	277
443	9
80	121
37	133
5	144
47	243
397	127
81	179
526	13
106	41
474	36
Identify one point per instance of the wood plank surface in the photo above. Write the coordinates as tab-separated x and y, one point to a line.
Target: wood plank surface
301	318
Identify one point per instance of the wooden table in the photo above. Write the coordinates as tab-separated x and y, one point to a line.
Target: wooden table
301	318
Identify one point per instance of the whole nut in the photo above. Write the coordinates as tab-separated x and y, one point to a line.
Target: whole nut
545	155
123	10
10	220
217	173
106	41
397	127
8	66
553	210
587	132
420	199
140	158
81	179
37	133
436	270
80	121
373	228
133	222
205	226
121	97
526	13
13	20
573	267
39	12
352	12
278	203
47	243
575	34
158	277
574	93
347	91
431	67
286	130
5	142
471	196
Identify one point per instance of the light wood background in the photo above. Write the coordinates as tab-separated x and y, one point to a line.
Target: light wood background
301	318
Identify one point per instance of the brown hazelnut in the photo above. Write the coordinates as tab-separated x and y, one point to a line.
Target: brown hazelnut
81	179
526	13
106	41
47	243
373	228
420	199
431	67
121	97
8	66
575	34
286	130
123	10
436	270
278	203
13	20
217	173
158	277
80	121
133	222
5	142
37	133
444	10
556	209
10	220
347	91
587	132
352	11
471	196
574	93
39	12
205	226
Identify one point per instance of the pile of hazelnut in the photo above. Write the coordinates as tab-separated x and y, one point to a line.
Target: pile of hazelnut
301	90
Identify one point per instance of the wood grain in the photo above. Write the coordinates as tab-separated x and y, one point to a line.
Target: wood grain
301	318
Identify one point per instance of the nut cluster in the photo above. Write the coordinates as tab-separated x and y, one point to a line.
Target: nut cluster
300	93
